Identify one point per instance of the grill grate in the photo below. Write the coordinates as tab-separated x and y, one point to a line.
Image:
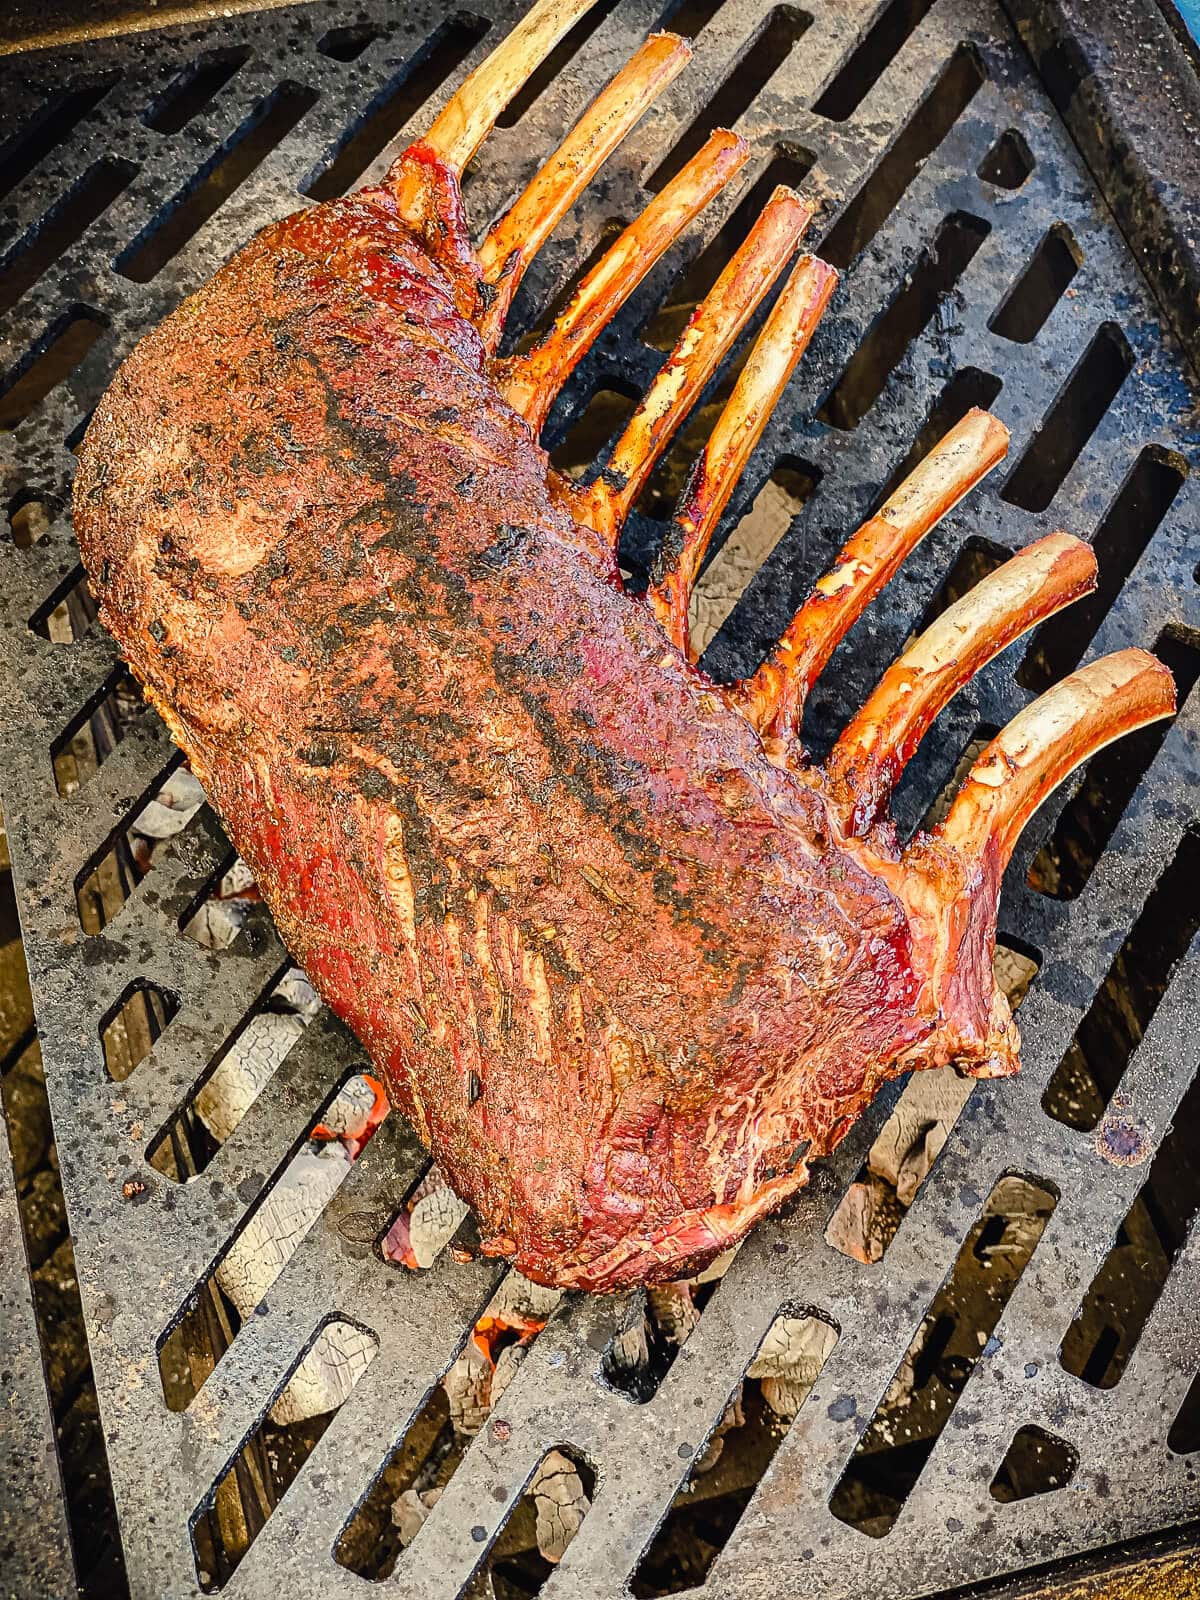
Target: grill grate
947	179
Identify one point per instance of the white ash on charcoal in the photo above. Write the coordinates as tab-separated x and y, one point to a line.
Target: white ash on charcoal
468	1386
560	1503
789	1361
171	809
246	1068
217	923
271	1237
426	1225
674	1310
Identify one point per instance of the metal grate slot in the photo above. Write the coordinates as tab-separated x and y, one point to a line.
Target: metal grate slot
221	175
68	611
269	1462
945	1350
191	90
977	558
1124	1005
95	730
1122	1296
866	63
655	1327
114	871
596	429
62	226
760	60
713	1498
540	1528
1184	1437
1124	534
129	1029
730	566
52	360
789	165
230	1084
52	126
1065	863
934	275
30	516
952	92
400	99
1009	163
1071	421
1034	1463
1025	308
347	44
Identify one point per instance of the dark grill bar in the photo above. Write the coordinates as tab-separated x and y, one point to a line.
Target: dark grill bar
966	1361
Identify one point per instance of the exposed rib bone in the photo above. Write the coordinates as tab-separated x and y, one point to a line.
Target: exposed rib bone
878	743
762	380
1044	744
470	114
530	382
518	236
703	345
774	697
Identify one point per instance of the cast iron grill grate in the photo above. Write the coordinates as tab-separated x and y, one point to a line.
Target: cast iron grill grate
981	268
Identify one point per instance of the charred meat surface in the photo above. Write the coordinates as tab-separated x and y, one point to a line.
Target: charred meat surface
626	960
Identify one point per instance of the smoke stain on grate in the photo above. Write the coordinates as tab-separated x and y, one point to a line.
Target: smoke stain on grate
236	1509
1022	313
1074	415
178	222
1122	1296
192	88
1124	1005
50	362
950	95
869	59
400	99
1035	1463
51	126
790	165
775	39
891	1455
1009	163
1126	529
129	1029
1064	865
711	1501
927	289
62	226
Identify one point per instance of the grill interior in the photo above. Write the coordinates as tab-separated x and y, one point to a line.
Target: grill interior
992	1295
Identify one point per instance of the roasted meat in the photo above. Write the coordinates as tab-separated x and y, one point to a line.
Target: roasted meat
625	958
